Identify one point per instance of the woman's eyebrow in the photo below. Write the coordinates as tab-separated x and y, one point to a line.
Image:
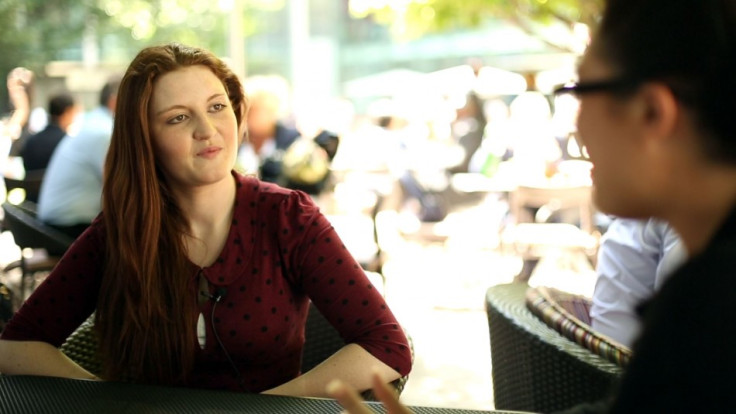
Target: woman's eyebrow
167	109
170	108
216	95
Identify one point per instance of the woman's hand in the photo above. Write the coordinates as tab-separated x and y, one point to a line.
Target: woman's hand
349	398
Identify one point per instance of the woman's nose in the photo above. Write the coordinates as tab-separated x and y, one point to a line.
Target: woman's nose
205	129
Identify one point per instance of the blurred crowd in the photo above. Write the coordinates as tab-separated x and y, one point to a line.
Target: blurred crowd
418	138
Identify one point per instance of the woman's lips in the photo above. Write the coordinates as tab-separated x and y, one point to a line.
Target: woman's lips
209	152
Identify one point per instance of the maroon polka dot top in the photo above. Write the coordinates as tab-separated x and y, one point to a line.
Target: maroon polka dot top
280	253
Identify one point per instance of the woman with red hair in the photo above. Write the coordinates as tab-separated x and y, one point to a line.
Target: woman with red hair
179	234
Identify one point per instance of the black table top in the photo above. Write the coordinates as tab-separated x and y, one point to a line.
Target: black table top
31	394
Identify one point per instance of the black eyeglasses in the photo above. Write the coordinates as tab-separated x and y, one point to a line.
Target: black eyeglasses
613	85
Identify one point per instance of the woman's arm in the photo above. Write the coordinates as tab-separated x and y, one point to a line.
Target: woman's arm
340	290
30	342
38	358
351	365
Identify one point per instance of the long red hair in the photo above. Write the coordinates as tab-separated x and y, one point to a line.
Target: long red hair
146	312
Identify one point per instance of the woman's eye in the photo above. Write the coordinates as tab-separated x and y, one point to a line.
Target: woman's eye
177	119
218	107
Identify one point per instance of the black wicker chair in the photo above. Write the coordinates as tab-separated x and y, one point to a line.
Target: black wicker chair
535	368
322	340
31	184
30	232
82	347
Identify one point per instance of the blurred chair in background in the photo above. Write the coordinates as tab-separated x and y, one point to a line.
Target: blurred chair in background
46	244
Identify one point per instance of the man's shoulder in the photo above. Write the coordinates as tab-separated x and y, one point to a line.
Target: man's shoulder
97	124
48	133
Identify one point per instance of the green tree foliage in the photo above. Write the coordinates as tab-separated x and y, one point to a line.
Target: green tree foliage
194	22
33	32
416	17
139	23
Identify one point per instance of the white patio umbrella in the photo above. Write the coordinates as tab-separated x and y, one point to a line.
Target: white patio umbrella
459	80
384	84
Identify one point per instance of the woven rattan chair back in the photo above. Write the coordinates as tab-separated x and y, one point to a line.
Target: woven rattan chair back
82	347
534	368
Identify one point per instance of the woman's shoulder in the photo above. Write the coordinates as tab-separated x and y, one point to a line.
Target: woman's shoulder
96	232
270	202
256	191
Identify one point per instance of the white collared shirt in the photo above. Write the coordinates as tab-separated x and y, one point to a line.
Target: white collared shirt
635	259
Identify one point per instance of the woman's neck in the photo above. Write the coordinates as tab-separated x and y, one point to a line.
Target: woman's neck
208	211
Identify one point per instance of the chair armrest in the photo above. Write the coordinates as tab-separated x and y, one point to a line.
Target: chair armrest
534	368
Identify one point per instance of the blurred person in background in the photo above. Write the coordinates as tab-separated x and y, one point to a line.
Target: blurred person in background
535	149
13	125
20	91
268	134
38	148
496	146
279	153
635	258
469	129
70	196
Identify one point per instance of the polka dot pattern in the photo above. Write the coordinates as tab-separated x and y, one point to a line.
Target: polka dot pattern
293	255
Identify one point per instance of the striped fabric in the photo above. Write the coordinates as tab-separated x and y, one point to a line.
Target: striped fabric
558	309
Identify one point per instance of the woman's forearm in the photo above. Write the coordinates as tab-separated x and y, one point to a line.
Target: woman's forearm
352	365
38	358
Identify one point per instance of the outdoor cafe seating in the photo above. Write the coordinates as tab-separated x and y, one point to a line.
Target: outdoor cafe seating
544	354
46	243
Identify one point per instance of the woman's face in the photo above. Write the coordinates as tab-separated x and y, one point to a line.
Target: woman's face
193	127
608	128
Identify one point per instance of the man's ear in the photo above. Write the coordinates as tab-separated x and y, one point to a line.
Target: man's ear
659	109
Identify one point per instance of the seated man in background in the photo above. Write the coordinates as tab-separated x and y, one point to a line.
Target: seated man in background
634	260
268	136
277	151
37	150
72	188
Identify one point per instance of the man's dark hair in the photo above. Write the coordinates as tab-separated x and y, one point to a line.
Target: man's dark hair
60	103
110	89
688	44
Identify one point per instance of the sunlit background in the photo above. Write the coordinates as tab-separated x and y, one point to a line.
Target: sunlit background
343	65
323	47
